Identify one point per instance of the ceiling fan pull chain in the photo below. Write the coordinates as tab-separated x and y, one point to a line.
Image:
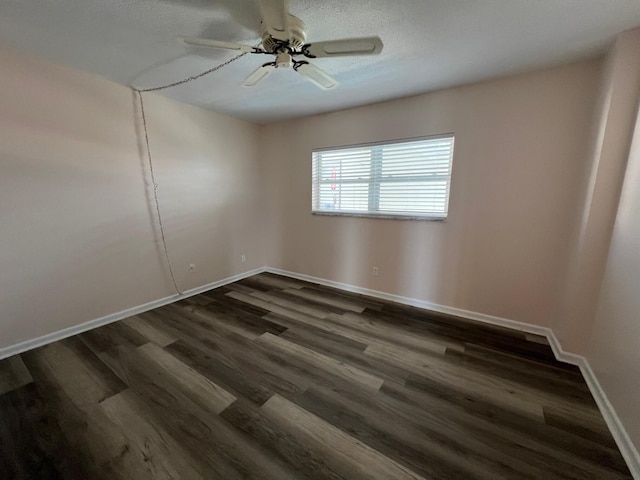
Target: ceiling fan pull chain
193	77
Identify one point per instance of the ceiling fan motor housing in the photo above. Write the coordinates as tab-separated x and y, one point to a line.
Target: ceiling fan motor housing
297	35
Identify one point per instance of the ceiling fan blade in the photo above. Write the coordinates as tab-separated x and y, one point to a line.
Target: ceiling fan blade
316	75
259	74
205	42
343	48
274	17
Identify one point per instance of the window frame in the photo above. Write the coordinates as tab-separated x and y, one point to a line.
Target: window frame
374	183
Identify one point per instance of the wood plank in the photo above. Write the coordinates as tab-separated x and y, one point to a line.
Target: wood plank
569	373
354	459
198	386
77	371
150	331
32	442
74	385
235	352
278	281
592	427
290	296
217	449
415	341
370	303
273	298
315	334
517	436
279	444
332	300
527	377
147	451
323	362
489	386
433	445
323	342
112	336
489	389
13	374
233	380
243	323
351	330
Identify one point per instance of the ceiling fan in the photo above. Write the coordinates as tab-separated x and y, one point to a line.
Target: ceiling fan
284	37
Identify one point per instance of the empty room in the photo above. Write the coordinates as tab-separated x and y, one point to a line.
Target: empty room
270	239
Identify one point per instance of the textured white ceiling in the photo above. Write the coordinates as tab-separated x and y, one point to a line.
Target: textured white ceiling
429	44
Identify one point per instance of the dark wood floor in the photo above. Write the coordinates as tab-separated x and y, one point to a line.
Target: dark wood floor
274	378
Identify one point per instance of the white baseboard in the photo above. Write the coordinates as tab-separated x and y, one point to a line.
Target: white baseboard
626	446
114	317
414	302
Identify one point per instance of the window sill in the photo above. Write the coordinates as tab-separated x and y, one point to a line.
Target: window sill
385	216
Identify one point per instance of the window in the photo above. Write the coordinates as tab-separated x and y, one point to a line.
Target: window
404	178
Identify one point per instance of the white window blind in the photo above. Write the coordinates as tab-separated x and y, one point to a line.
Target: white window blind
405	178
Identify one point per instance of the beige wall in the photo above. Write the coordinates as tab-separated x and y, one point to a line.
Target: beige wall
614	351
520	154
78	234
613	347
612	132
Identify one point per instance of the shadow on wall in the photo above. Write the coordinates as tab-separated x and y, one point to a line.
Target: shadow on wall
412	258
406	253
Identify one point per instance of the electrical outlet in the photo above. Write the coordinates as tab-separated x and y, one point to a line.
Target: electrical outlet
376	271
243	258
192	267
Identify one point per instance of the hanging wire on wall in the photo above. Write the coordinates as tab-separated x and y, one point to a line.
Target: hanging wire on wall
139	92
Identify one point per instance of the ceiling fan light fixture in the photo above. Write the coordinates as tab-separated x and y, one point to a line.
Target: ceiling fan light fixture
284	60
284	36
